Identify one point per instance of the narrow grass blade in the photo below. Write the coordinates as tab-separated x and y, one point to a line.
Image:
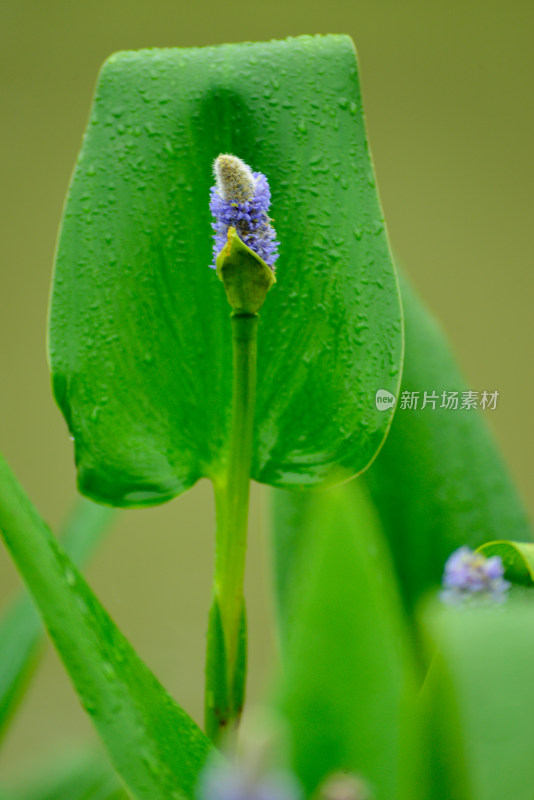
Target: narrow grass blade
153	744
21	629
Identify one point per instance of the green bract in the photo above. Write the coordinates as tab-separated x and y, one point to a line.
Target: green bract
140	342
246	277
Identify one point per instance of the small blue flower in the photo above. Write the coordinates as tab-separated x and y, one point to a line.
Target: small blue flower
224	781
240	199
471	575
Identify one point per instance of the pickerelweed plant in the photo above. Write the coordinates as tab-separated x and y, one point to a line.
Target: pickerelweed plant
168	372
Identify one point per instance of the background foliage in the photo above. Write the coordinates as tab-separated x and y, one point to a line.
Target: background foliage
445	94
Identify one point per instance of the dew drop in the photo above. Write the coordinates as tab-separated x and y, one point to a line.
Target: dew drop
150	762
70	577
82	605
89	705
108	671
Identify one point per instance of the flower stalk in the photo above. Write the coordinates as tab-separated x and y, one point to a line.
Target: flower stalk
247	278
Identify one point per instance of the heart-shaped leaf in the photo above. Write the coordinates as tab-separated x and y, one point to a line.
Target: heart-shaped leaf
140	342
153	744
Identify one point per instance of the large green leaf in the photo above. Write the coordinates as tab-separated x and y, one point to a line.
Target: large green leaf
479	696
140	342
348	689
439	481
153	744
21	628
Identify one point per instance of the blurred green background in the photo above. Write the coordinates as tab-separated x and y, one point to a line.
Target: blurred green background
448	98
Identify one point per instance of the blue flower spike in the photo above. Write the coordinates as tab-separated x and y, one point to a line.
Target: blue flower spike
240	199
470	576
245	246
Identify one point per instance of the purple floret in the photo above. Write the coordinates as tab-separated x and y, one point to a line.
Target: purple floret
472	575
249	218
229	782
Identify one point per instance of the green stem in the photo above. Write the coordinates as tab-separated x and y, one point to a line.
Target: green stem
226	657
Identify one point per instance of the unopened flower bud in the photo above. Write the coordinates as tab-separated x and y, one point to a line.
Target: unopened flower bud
235	181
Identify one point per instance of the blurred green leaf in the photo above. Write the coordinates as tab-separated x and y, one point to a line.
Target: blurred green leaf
439	481
140	342
21	628
517	559
84	776
348	686
153	744
444	773
290	523
479	695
